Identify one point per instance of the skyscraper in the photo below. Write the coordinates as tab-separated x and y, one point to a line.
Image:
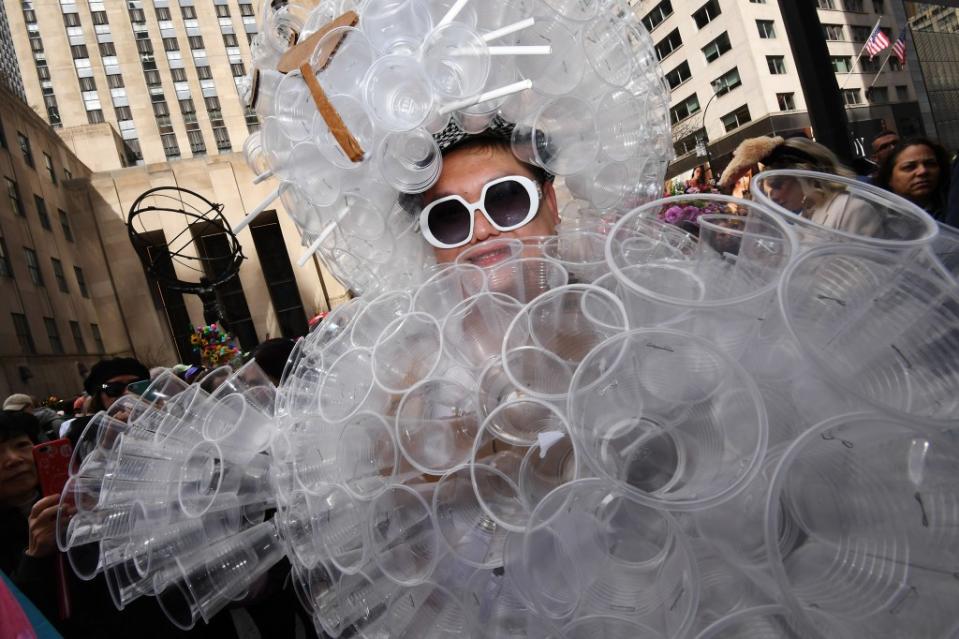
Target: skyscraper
9	68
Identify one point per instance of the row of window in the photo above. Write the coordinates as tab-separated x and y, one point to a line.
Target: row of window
28	345
26	151
856	6
16	204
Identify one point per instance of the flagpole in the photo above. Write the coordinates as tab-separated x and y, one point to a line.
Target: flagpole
859	57
880	71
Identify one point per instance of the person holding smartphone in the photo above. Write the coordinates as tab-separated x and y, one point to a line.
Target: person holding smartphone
108	380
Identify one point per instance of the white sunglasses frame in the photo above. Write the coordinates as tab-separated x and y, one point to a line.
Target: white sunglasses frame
532	188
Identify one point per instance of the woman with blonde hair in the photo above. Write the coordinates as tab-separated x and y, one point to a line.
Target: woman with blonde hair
826	204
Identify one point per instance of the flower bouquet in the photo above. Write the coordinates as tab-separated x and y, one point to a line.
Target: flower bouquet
214	345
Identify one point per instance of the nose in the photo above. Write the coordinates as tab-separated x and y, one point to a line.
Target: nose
482	229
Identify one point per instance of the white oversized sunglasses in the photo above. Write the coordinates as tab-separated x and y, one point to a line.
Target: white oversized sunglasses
508	203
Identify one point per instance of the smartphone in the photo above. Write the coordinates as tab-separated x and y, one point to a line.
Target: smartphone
53	464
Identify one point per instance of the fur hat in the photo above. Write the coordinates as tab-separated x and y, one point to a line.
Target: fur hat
747	156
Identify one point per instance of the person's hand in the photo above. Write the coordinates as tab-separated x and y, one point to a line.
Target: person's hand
43	525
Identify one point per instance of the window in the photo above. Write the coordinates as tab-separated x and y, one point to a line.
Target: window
767	30
758	1
678	75
727	82
894	64
48	163
13	192
59	276
189	13
852	96
826	4
238	69
25	149
29	16
879	6
3	137
787	101
95	116
137	16
170	147
902	93
222	11
879	95
246	9
736	119
160	109
860	34
123	114
33	266
668	44
65	225
163	14
707	13
88	84
99	17
71	19
78	337
776	64
107	49
659	13
171	44
36	44
197	145
79	51
833	31
144	46
152	78
222	138
717	47
6	269
179	75
213	107
684	109
43	72
53	334
841	63
853	5
229	39
196	42
97	338
22	328
115	81
203	72
67	175
81	281
42	211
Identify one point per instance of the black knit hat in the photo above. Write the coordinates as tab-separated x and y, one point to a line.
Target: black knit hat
107	368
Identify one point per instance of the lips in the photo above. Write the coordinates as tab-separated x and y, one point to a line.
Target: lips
490	257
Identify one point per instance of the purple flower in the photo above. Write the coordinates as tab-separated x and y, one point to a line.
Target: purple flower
691	212
673	214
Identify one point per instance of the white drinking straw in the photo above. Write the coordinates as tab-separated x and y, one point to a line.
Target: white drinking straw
325	233
522	50
452	13
252	215
508	29
501	92
263	176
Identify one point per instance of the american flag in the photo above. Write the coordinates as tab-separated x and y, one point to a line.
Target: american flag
877	42
899	49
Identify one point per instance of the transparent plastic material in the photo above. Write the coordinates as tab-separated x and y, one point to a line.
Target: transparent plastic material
560	136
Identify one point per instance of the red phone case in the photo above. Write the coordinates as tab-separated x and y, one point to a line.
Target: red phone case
53	464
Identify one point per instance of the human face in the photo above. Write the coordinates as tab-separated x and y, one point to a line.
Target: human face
106	399
786	192
465	173
883	147
18	475
915	175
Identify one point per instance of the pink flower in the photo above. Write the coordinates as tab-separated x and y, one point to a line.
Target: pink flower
673	214
691	212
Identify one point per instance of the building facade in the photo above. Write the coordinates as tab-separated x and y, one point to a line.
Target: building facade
60	312
935	43
731	72
9	67
163	73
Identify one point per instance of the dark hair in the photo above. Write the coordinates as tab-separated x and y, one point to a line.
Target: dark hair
880	135
15	424
937	200
107	368
272	354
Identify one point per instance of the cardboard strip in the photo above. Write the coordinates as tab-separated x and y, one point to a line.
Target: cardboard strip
303	51
338	128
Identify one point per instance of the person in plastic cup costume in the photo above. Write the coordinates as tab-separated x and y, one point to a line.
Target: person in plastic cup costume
484	192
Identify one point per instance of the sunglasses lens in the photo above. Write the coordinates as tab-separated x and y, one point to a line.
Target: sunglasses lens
449	222
508	203
114	389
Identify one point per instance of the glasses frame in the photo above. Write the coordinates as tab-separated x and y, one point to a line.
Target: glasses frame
533	189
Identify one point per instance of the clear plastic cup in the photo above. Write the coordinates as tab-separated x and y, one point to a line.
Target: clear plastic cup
621	129
294	108
436	424
591	549
447	287
491	252
348	387
367	455
428	611
398	95
211	579
842	210
606	626
351	110
236	423
581	253
556	74
313	174
252	382
870	496
344	71
474	329
524	279
358	603
404	541
770	620
878	325
396	26
457	61
379	313
407	352
212	475
668	417
561	136
469	533
606	185
410	161
945	247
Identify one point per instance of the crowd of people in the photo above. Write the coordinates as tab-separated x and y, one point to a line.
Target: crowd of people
917	169
29	556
